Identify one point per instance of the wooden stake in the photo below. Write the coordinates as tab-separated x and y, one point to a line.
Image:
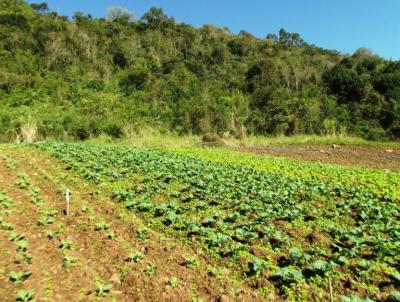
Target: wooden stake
330	290
67	200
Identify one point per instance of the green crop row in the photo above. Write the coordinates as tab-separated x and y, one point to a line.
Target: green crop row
378	181
293	232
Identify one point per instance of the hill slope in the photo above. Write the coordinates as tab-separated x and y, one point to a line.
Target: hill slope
83	77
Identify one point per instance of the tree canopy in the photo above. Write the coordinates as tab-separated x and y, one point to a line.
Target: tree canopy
77	78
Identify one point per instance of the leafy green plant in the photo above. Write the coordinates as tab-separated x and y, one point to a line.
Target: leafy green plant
395	295
102	225
5	201
24	258
103	289
255	268
142	235
14	236
26	296
50	234
6	225
65	244
85	208
286	276
23	181
191	261
354	298
68	260
173	282
22	245
151	269
256	208
319	266
135	257
18	277
47	217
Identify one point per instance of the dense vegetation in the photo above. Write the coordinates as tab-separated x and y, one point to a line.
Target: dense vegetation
286	232
79	78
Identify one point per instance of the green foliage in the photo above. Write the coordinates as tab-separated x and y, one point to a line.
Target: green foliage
286	276
255	212
22	245
18	277
151	269
103	289
354	299
65	244
26	296
135	257
63	77
68	260
25	258
102	225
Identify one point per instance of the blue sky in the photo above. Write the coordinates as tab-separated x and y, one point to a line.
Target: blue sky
344	25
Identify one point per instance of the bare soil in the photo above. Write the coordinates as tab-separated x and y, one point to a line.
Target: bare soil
369	157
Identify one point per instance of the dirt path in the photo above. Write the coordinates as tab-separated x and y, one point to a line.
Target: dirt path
79	257
370	157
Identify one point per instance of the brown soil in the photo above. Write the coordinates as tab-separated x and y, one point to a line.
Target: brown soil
369	157
160	276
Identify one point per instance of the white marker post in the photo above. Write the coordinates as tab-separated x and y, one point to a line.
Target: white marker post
67	200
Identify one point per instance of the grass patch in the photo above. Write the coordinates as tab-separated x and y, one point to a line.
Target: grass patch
254	141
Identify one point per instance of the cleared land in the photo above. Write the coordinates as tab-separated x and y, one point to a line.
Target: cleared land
193	224
387	158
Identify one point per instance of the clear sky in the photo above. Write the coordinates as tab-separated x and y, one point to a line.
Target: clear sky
344	25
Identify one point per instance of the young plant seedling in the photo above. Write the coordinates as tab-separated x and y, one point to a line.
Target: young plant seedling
14	236
26	296
7	226
151	269
135	257
191	261
68	260
102	225
142	235
24	258
173	282
18	277
103	289
111	235
65	244
22	245
85	208
50	234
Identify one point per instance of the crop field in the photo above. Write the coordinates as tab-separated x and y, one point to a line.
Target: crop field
193	224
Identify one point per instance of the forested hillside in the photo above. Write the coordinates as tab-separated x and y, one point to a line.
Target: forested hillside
81	77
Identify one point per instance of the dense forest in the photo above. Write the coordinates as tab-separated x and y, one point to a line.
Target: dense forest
81	77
